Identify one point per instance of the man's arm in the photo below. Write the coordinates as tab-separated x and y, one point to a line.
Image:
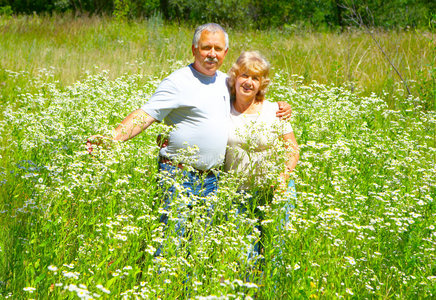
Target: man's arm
285	110
131	126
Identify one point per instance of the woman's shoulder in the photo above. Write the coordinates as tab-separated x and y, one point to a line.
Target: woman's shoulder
269	106
270	109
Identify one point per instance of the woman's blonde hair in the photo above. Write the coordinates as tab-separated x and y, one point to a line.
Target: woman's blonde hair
251	63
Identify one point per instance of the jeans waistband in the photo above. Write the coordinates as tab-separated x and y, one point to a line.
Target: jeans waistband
166	160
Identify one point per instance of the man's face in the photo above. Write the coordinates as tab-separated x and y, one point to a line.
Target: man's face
211	51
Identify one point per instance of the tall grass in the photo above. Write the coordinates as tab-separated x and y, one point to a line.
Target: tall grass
72	45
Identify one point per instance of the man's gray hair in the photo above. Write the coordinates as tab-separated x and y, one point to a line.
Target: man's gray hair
211	27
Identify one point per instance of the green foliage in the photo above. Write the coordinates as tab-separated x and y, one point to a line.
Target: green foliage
6	10
129	9
277	13
393	14
229	12
426	86
319	14
121	9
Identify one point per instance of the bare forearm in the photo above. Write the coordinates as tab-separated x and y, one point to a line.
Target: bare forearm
292	161
132	125
293	155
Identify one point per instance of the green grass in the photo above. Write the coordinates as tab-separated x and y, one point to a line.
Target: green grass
74	224
73	45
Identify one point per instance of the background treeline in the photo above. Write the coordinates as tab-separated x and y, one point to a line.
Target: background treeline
319	14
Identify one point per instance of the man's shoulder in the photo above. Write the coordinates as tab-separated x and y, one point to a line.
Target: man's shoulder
179	73
184	76
176	80
221	74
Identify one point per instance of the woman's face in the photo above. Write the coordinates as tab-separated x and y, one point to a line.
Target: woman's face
247	85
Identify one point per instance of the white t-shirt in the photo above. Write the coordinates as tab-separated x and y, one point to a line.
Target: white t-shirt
252	142
198	107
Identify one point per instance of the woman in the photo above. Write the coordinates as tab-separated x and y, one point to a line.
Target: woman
254	127
255	133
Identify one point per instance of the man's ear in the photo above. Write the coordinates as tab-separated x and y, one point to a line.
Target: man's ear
193	50
227	50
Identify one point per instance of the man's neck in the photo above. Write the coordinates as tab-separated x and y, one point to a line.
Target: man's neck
203	71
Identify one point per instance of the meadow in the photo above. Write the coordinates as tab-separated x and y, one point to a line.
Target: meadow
87	226
70	47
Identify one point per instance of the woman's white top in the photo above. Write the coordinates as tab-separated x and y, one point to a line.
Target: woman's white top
252	145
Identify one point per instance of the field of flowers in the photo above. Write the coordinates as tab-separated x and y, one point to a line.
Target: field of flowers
74	224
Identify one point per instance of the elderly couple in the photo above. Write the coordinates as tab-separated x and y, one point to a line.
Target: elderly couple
209	111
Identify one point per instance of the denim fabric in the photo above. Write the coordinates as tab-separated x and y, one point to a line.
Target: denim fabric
290	202
288	206
261	198
194	183
194	186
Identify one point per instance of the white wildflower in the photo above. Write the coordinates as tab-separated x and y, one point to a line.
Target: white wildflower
103	289
29	289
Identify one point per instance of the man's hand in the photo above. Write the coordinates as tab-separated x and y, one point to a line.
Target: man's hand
97	140
162	141
285	110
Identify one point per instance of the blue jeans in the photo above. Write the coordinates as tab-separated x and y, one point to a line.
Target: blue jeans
194	185
260	197
263	197
290	203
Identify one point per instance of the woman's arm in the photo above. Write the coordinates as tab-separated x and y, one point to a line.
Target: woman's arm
293	155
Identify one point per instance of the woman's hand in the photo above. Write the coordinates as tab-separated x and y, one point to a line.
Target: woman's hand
282	182
293	155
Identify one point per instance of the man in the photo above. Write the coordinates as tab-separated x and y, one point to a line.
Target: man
196	101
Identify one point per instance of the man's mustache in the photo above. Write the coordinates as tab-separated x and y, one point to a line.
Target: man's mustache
211	60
